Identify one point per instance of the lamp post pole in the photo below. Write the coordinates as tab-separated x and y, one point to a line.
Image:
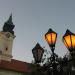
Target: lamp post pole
53	62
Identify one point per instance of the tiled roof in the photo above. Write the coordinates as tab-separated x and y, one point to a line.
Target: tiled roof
15	65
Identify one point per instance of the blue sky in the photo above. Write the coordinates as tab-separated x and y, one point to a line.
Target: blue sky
33	18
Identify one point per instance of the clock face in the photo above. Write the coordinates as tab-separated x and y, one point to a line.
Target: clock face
7	35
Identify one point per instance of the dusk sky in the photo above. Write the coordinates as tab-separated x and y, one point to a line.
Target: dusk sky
32	19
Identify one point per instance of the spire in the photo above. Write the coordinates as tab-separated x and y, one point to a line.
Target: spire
8	25
9	21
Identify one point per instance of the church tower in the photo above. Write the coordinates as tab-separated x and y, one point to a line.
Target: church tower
6	40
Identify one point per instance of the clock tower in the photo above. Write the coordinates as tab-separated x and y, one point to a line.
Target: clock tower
6	40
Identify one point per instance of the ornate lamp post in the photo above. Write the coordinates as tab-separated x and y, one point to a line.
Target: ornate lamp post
37	53
69	41
51	37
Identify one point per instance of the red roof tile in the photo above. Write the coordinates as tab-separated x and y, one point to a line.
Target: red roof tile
15	65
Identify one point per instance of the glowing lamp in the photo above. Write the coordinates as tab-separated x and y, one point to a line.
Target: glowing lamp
69	40
51	37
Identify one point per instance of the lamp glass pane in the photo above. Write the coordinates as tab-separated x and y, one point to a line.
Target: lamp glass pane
40	53
48	38
35	54
68	41
53	38
65	44
73	41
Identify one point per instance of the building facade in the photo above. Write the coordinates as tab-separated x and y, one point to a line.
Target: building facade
9	66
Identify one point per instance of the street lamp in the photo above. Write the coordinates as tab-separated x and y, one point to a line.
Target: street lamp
51	37
69	41
37	53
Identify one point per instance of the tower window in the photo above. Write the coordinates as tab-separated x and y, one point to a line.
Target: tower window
6	48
